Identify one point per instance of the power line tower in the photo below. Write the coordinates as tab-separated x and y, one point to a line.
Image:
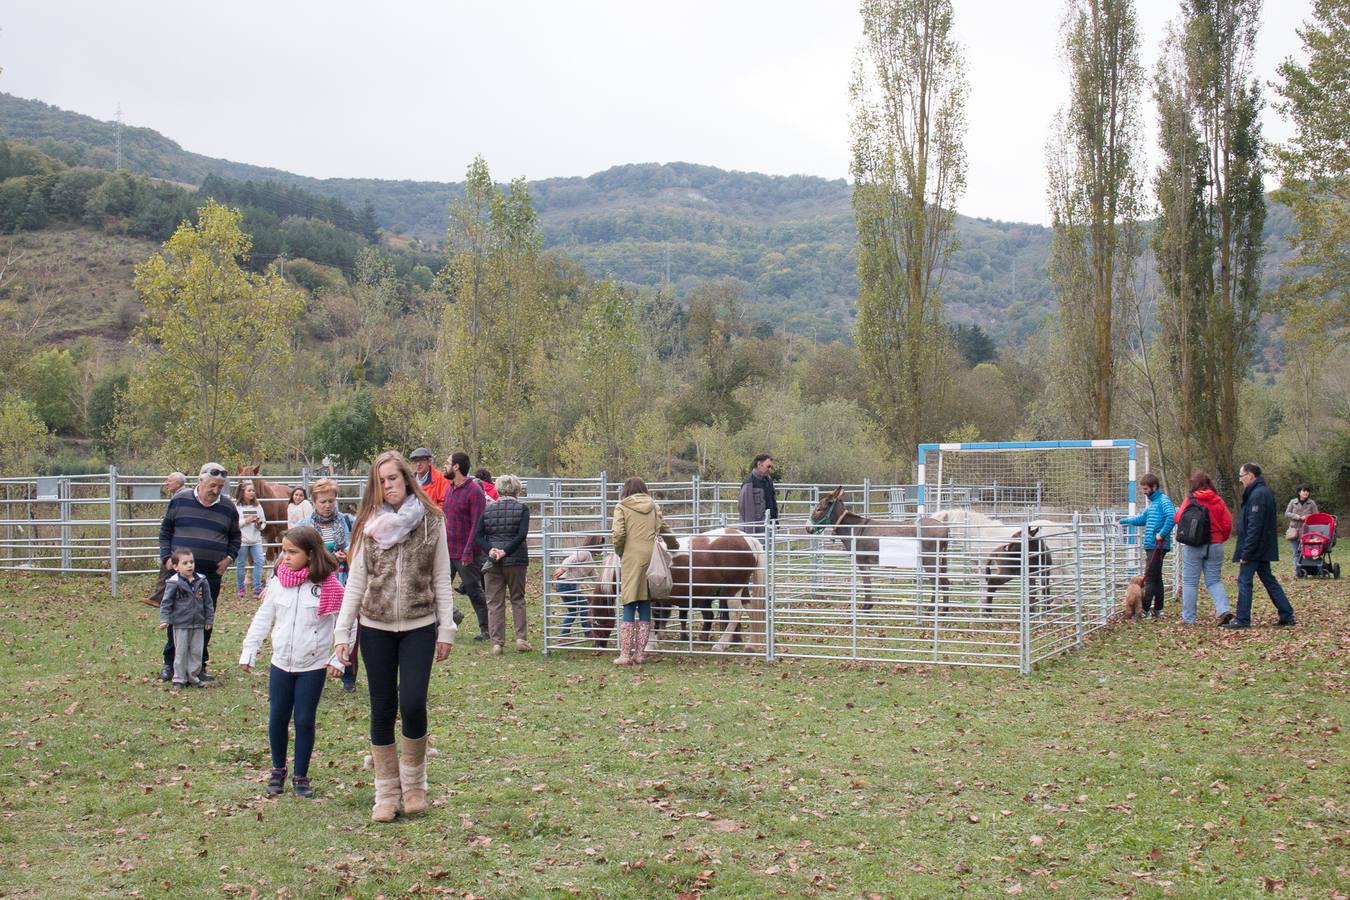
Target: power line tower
117	138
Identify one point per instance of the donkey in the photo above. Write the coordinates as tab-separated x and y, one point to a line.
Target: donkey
862	535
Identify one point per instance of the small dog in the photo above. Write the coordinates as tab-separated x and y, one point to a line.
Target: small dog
1134	597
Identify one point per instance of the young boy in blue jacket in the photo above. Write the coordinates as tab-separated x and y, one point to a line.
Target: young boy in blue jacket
1158	521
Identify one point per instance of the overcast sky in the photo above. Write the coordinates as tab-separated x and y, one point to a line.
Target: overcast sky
565	87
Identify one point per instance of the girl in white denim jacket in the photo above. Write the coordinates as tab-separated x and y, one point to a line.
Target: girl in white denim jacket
300	609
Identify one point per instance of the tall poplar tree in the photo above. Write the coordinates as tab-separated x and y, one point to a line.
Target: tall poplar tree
1095	193
1218	101
908	96
492	322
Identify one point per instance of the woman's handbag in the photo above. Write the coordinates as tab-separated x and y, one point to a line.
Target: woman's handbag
658	572
1291	534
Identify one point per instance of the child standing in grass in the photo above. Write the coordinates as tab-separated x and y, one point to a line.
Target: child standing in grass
251	523
568	578
300	609
190	610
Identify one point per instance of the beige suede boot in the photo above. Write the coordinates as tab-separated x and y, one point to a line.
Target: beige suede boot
386	783
412	771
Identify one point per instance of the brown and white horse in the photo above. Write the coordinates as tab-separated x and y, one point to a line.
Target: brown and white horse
274	499
862	535
723	565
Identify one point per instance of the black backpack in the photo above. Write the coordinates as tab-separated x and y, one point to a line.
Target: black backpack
1193	526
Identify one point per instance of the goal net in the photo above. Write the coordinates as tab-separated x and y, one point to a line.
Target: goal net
1031	478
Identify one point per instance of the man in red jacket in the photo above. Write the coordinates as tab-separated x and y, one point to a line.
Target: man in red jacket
428	476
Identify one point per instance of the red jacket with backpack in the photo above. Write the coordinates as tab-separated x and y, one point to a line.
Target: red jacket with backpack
1220	519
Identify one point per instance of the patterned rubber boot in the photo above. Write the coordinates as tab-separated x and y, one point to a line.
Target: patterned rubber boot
627	631
644	634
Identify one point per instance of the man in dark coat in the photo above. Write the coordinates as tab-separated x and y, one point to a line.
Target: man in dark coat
757	496
1258	545
206	522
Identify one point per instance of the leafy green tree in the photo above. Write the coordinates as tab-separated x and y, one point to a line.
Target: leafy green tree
349	431
55	390
492	324
1096	199
102	412
1314	170
974	344
909	167
1314	165
607	343
23	436
218	342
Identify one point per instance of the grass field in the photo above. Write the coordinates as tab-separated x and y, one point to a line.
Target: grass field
1158	760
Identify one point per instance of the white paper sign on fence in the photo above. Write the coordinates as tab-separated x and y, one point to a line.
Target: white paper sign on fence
898	552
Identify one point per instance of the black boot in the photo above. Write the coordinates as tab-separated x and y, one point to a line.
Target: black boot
300	783
277	783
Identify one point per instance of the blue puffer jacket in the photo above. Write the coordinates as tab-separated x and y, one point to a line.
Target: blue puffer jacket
1158	518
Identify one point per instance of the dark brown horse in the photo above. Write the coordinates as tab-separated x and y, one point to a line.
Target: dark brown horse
1005	564
725	566
862	535
274	499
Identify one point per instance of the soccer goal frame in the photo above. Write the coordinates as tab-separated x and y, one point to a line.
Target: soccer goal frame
1033	477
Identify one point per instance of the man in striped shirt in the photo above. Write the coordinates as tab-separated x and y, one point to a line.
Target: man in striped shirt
204	521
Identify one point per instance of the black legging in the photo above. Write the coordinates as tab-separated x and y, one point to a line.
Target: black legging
398	673
1153	580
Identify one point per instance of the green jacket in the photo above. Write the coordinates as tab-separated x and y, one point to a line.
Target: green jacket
637	521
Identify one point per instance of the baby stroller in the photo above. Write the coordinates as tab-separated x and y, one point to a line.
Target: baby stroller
1315	541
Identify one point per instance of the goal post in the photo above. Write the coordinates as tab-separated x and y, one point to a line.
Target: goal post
1032	478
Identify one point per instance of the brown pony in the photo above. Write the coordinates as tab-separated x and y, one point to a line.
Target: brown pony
273	498
862	535
724	565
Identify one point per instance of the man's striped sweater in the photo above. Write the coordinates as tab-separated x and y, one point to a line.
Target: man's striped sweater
210	532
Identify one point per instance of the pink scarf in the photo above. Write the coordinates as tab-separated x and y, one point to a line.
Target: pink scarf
330	592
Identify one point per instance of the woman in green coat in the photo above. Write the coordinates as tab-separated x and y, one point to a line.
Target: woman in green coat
637	522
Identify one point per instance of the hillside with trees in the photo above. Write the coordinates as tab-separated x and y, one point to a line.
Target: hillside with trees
662	319
788	240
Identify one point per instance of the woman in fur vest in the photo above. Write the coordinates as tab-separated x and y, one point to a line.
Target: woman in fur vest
399	589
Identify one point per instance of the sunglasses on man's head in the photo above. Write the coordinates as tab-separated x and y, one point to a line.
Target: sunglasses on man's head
216	473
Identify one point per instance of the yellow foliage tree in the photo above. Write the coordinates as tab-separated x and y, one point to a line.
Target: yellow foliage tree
217	339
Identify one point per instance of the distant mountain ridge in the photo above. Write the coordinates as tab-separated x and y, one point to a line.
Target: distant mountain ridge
790	239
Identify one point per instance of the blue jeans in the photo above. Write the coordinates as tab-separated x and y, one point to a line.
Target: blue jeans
295	693
241	564
1261	569
574	602
638	609
1207	560
1295	555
